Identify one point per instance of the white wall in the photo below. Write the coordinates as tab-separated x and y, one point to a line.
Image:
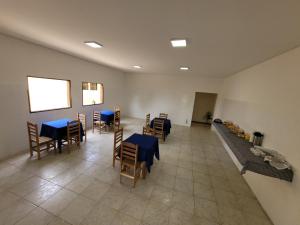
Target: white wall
266	98
165	93
19	59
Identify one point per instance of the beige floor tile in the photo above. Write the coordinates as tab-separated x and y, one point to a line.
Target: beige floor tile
37	217
123	219
185	173
42	193
201	178
100	215
207	209
204	191
15	212
178	217
59	201
7	199
162	194
165	180
229	216
156	213
79	183
65	177
184	185
134	206
169	169
95	190
58	221
183	202
144	188
16	178
227	199
77	210
114	197
28	186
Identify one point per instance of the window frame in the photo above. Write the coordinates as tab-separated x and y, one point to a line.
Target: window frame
50	78
82	93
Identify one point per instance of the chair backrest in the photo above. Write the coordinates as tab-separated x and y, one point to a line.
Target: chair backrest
129	152
148	120
117	108
163	115
73	129
118	138
117	117
158	125
82	118
96	116
148	131
33	133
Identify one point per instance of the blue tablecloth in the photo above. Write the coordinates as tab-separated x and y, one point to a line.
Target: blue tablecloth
107	116
148	147
57	130
167	125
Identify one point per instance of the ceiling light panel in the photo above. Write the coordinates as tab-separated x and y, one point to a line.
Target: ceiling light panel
93	44
178	43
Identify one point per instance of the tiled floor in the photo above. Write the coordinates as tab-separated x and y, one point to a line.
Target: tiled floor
194	183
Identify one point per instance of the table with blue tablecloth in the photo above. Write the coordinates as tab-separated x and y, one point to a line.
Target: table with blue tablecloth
167	125
107	116
57	130
147	148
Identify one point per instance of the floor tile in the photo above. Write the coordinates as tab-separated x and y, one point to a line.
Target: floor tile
15	212
100	215
207	209
77	210
59	201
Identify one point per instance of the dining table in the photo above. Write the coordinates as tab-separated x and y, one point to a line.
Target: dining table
167	125
147	148
107	116
57	130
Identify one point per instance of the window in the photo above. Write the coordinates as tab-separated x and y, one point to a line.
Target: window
48	94
92	93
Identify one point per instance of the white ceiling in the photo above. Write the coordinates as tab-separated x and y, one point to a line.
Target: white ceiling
224	36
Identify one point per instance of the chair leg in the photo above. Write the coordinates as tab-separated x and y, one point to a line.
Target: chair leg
54	146
31	151
38	153
114	160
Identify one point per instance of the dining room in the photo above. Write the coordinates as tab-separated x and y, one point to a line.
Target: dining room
99	118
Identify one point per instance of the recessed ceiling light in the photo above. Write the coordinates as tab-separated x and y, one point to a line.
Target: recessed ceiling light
137	67
178	43
93	44
185	68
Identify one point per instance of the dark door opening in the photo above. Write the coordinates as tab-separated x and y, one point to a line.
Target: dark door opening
204	107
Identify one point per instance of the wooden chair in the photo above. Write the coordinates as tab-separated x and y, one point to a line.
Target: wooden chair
73	133
148	131
97	123
117	120
158	127
130	167
37	143
118	138
148	120
163	115
82	118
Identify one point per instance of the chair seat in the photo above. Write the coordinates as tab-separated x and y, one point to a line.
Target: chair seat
130	163
44	140
99	122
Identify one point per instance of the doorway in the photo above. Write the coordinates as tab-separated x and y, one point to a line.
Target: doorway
204	107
